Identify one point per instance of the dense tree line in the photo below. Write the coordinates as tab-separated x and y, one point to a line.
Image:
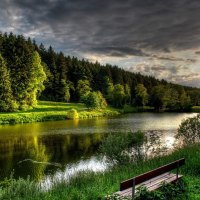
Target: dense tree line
29	71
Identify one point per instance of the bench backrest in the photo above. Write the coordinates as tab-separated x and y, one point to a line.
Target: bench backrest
151	174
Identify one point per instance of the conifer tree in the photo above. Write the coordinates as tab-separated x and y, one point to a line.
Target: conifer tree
6	98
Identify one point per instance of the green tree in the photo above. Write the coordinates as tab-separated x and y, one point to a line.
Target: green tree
6	97
83	89
141	98
185	102
109	90
160	97
173	100
95	100
189	130
36	79
127	92
118	96
64	91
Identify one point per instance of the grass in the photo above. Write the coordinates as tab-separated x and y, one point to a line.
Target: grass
196	109
49	111
90	185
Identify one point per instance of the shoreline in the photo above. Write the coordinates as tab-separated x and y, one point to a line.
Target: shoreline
107	183
54	111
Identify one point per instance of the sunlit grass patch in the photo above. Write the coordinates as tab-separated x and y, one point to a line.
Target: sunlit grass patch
196	109
50	111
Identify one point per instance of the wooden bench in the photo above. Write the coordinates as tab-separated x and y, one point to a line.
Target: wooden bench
152	180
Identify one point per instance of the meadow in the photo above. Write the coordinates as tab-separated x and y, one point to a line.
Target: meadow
50	111
53	111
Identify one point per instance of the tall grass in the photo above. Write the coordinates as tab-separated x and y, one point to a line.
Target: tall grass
90	185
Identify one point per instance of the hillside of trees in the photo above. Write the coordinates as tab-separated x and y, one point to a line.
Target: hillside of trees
29	72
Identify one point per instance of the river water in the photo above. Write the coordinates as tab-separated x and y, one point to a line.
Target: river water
60	149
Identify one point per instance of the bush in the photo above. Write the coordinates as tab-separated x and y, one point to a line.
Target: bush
189	130
72	114
95	100
122	147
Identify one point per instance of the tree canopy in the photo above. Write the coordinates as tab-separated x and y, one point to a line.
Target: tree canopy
30	72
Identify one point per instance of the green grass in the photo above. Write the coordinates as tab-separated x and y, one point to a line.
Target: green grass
196	109
49	111
88	185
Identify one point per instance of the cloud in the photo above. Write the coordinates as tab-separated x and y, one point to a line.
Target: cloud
176	74
172	58
112	26
116	31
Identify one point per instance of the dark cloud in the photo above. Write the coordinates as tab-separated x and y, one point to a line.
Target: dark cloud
172	58
112	27
163	33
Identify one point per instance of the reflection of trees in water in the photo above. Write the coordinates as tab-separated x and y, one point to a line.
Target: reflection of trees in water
13	150
38	152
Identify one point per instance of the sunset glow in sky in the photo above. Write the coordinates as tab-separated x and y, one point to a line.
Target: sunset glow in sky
154	37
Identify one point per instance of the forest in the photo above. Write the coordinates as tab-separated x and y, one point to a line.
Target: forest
31	72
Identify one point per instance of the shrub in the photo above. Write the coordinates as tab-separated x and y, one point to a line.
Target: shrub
189	130
122	147
72	114
95	100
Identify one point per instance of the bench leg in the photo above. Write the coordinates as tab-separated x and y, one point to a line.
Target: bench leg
177	171
133	190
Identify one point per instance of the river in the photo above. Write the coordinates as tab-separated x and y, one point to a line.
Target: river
62	148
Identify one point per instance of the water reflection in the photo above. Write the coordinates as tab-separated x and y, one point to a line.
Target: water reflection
92	164
40	155
48	149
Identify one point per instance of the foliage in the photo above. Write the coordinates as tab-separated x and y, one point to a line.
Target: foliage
6	98
118	96
127	91
159	97
109	90
24	65
141	95
185	102
64	91
36	79
56	77
95	100
83	89
121	147
173	101
72	114
189	130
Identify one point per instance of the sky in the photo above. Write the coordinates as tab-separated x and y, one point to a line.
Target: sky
160	38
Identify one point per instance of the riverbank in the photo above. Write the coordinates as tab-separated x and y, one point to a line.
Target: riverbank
88	185
54	111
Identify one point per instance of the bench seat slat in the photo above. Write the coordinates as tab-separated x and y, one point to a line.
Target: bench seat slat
152	184
151	174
